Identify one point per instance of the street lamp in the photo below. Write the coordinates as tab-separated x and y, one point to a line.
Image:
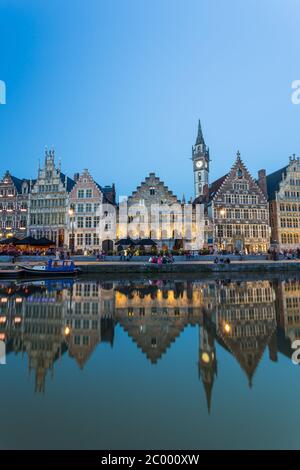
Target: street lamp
222	214
71	213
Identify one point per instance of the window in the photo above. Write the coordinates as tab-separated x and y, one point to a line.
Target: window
152	191
264	231
80	239
88	207
220	231
238	230
95	239
88	239
88	193
96	221
80	208
80	193
88	222
80	222
229	231
283	223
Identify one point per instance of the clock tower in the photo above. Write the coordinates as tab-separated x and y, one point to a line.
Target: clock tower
200	158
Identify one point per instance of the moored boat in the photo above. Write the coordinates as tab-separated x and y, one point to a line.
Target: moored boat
51	268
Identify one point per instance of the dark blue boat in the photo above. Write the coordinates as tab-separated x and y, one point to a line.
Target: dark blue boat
52	268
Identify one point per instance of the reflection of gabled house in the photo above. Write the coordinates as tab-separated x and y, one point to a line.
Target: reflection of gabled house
153	334
154	316
246	322
90	318
288	305
42	334
81	344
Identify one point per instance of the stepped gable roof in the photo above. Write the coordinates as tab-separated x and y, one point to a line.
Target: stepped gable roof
156	180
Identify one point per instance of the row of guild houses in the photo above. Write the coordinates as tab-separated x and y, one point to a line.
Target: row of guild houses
236	212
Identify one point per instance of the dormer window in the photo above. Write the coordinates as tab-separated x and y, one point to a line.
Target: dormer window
240	173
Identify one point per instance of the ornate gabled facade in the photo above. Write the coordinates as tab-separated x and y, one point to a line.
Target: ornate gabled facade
88	223
284	200
48	202
14	194
147	221
240	211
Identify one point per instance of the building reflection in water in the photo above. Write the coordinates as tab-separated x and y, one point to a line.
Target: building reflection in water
47	319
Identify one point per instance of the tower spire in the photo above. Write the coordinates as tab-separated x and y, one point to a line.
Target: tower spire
200	157
200	138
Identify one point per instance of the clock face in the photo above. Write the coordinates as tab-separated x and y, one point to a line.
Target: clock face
199	164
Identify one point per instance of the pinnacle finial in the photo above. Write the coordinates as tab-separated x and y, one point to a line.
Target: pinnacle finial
238	154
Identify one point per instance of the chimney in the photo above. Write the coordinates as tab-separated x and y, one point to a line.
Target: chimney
262	181
76	177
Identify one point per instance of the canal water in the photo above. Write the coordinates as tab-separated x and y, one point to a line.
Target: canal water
150	364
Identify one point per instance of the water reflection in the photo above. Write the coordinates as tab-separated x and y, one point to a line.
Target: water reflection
47	319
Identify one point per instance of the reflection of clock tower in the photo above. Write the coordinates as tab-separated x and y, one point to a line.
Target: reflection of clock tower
207	365
200	157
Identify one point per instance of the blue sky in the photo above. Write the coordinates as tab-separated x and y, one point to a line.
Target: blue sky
117	86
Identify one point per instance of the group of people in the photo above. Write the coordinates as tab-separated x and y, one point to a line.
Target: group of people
161	259
284	254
